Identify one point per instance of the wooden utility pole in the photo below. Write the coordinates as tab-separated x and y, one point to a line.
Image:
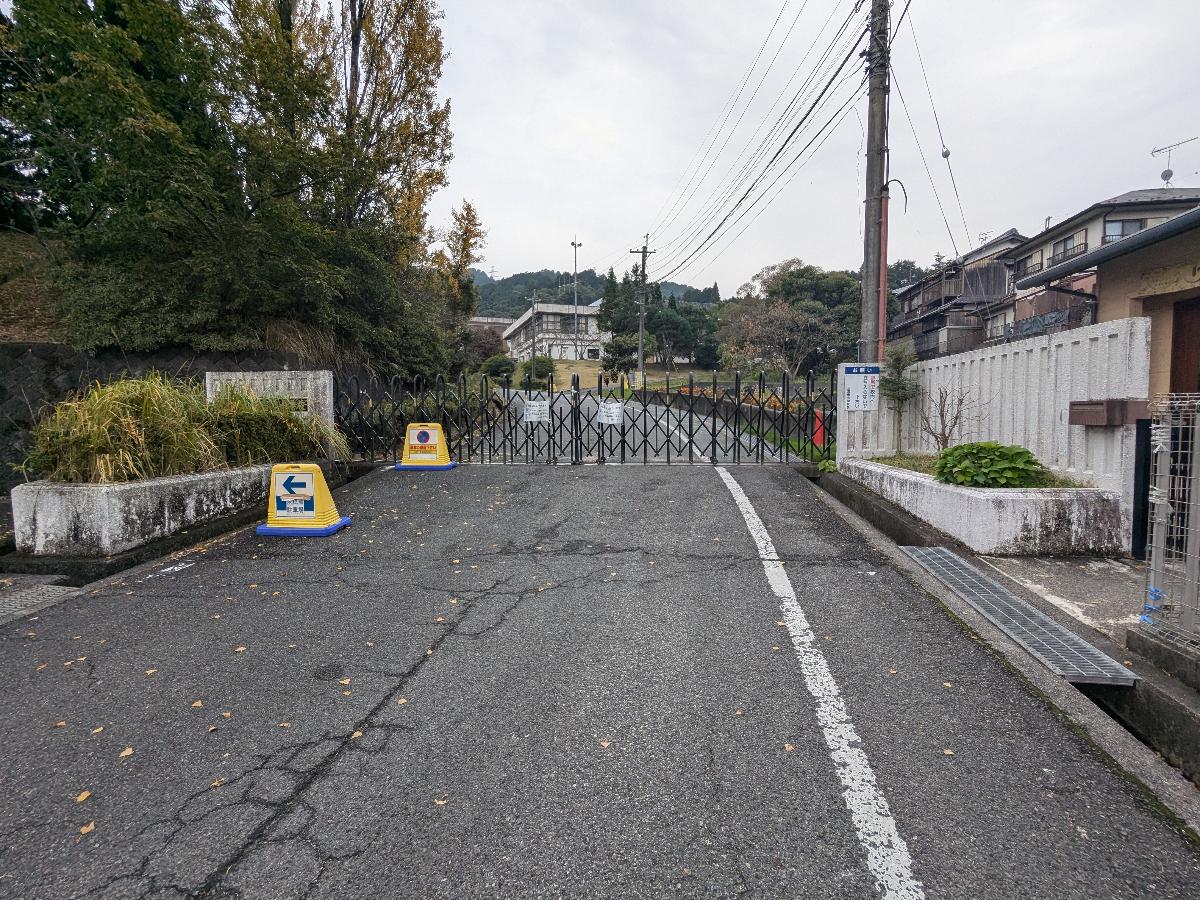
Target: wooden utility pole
874	280
645	251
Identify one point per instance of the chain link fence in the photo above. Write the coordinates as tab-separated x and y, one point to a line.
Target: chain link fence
1172	604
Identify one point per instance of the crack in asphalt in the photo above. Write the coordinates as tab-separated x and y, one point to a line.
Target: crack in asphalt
346	743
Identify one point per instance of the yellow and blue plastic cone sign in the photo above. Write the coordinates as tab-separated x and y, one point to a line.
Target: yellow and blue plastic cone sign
299	503
425	448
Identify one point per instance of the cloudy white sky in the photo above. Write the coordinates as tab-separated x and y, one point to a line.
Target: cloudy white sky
579	118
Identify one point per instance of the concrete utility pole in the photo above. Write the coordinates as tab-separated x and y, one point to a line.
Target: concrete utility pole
645	251
874	281
575	245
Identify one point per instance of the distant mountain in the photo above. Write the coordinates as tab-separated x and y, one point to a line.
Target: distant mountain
511	296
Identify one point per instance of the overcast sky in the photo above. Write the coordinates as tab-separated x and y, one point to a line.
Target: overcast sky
580	118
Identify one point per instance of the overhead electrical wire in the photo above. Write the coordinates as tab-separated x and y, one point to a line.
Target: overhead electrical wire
924	162
736	176
844	112
723	118
941	137
766	169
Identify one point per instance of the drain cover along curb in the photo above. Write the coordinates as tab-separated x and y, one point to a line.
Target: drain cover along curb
25	601
1060	649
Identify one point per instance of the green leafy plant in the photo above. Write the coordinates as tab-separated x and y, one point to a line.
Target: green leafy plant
827	465
535	372
498	366
992	465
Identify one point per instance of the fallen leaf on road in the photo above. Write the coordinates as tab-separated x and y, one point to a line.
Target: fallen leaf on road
88	828
346	693
441	801
356	735
226	715
212	728
276	593
98	729
218	782
285	724
82	795
776	648
781	624
344	681
947	752
151	671
453	600
440	619
128	751
61	724
42	666
788	747
429	652
401	701
605	744
891	671
239	649
197	704
738	713
947	684
370	643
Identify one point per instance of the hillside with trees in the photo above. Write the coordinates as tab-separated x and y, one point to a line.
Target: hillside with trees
246	174
511	295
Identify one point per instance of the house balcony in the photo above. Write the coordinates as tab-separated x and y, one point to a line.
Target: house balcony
1077	250
1031	269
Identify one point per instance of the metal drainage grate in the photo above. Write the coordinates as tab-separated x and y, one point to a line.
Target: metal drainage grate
1061	650
24	601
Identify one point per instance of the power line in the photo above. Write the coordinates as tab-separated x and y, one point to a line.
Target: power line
844	113
771	162
925	163
941	137
736	177
729	111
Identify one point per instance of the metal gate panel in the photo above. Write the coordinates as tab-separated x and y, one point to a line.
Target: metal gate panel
682	422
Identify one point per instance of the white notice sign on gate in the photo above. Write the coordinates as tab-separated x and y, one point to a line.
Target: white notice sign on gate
861	390
536	411
611	412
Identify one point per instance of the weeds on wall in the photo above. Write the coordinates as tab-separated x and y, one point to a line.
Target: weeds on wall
156	426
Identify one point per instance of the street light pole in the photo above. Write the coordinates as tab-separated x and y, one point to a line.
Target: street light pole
575	245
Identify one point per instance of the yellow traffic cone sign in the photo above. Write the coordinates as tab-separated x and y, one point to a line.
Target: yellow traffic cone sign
425	448
299	503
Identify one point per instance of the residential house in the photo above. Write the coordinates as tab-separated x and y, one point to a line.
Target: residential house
942	313
497	324
1053	290
555	329
1152	271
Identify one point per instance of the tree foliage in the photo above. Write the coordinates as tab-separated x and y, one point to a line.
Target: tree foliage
233	174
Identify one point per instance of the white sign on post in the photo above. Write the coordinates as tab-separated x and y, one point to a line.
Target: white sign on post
611	412
861	388
536	411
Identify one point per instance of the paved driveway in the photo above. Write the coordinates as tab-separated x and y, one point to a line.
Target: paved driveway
532	681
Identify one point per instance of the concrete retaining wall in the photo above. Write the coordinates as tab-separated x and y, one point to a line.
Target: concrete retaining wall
91	520
1020	393
1001	521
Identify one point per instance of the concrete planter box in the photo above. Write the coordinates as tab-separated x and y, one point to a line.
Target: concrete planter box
103	519
1002	521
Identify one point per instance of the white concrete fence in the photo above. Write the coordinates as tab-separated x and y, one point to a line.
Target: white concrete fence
1020	393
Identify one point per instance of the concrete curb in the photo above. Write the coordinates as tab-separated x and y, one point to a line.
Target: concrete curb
1165	787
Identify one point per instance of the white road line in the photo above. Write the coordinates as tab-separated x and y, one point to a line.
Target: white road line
887	854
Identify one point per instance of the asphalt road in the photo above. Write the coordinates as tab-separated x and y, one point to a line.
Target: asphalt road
647	432
536	681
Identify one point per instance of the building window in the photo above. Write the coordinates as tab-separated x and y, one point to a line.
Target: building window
1029	265
1115	229
593	352
1071	245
